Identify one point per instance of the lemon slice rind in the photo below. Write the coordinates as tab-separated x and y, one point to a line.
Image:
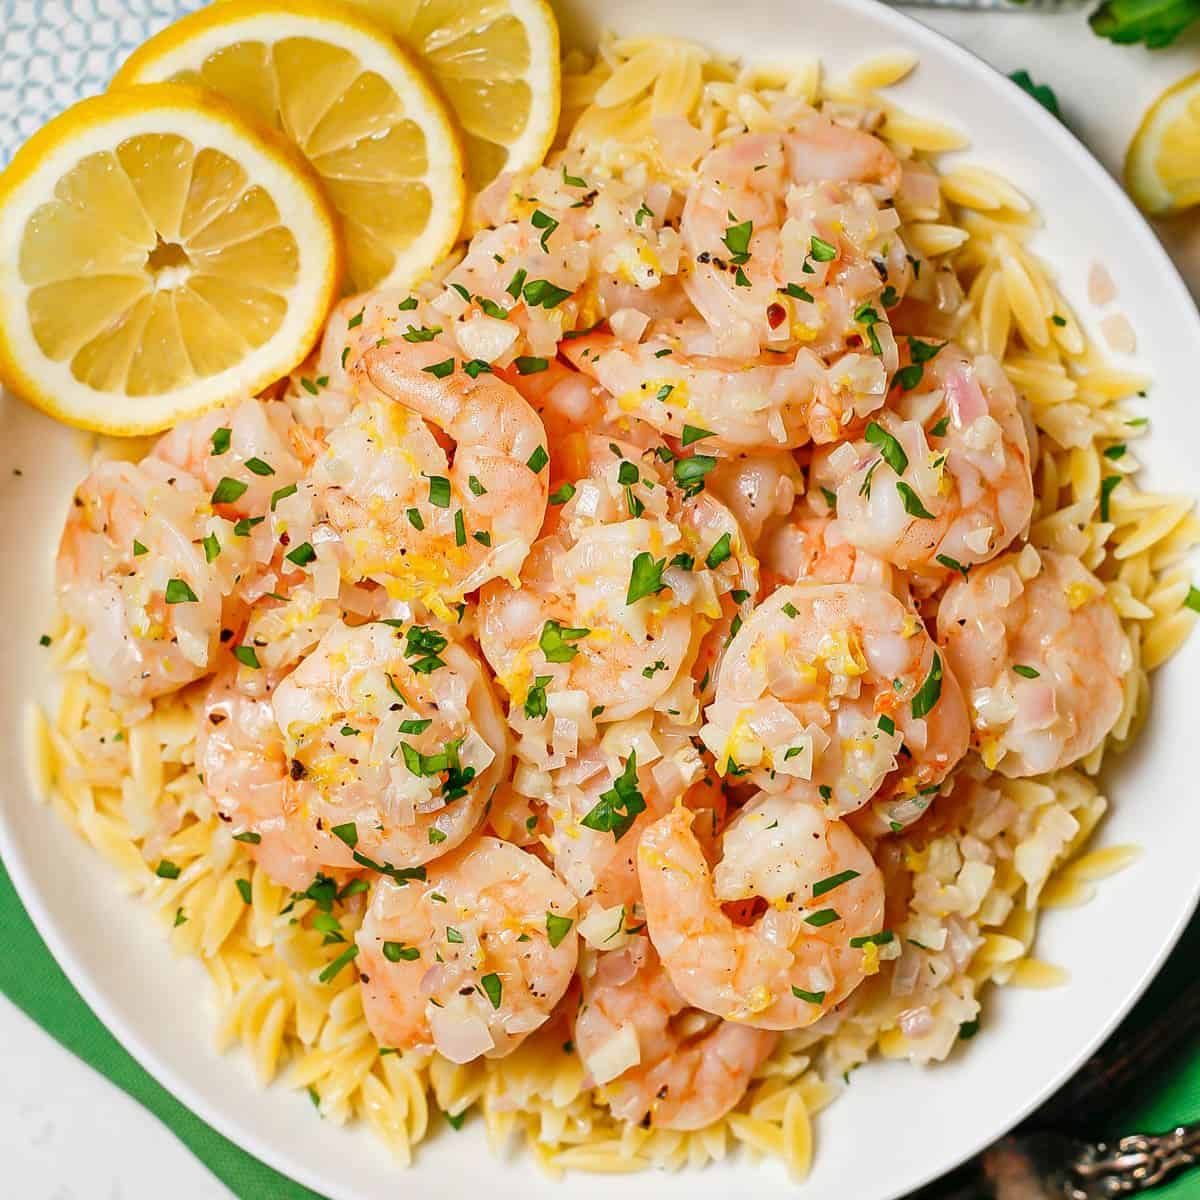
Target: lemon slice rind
1143	166
542	74
101	124
188	43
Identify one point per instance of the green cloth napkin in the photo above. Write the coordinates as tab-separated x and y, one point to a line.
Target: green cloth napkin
33	981
1169	1096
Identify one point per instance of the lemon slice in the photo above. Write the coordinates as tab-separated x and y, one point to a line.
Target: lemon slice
1162	168
496	62
160	256
353	103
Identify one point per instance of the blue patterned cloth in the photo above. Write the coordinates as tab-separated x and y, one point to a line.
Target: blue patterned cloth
54	52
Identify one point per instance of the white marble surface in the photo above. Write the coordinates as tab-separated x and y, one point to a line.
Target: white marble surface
67	1134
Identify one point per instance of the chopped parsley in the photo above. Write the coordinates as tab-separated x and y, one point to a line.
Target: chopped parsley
247	657
491	309
953	564
557	928
737	241
282	494
930	692
399	952
718	552
618	807
1026	672
439	491
811	997
493	988
538	459
562	493
221	440
832	881
348	955
179	592
689	473
546	223
645	577
823	916
259	467
1107	484
882	938
439	370
424	334
889	447
228	490
535	698
528	364
912	502
554	638
820	250
541	293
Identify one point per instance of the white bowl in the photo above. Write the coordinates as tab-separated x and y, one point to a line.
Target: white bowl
898	1126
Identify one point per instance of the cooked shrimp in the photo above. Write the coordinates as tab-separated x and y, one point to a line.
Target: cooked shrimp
472	957
804	548
393	730
814	944
136	568
660	1063
601	804
674	379
944	479
614	599
255	459
574	255
566	400
759	489
1041	653
841	686
254	447
426	530
788	238
241	756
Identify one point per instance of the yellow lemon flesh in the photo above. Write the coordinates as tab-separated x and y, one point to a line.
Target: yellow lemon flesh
496	62
161	256
1162	168
352	102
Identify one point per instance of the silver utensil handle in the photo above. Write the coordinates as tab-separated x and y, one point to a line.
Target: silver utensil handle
1143	1160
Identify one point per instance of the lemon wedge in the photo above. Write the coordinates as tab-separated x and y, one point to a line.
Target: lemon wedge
161	256
1162	168
496	62
351	101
